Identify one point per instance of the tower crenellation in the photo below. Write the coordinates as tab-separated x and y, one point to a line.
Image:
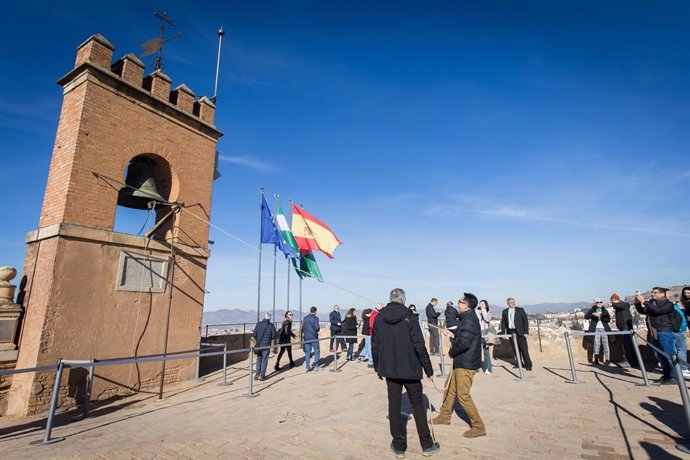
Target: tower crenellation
98	51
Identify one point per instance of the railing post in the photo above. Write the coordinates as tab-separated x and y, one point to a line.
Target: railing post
570	358
206	331
441	355
250	393
517	356
89	386
198	366
335	358
225	366
639	358
684	397
53	405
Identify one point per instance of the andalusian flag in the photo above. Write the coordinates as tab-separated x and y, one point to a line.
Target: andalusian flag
307	266
286	235
312	234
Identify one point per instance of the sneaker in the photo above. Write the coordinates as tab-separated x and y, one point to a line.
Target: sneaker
686	374
474	432
397	453
256	376
669	381
429	451
438	420
487	372
276	367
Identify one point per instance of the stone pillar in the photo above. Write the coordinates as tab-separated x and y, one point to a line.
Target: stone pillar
9	315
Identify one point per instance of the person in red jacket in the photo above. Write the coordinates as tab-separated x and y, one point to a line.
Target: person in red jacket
372	318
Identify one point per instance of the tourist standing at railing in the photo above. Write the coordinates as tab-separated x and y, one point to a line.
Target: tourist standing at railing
399	356
681	344
372	320
514	321
451	315
366	351
685	301
264	333
350	331
624	323
413	309
466	351
660	326
285	336
484	318
336	329
310	337
432	322
599	319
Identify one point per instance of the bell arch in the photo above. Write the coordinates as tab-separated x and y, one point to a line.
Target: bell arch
150	185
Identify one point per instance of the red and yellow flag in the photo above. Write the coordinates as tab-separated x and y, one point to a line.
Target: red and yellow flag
312	234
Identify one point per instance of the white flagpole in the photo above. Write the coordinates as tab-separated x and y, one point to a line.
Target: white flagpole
275	261
258	297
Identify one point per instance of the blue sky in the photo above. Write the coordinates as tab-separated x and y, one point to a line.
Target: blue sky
529	149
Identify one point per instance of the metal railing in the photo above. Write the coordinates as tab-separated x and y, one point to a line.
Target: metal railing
673	359
571	358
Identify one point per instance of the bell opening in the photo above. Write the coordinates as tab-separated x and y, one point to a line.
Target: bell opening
148	184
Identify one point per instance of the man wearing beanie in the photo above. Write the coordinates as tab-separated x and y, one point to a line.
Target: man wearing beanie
624	323
466	352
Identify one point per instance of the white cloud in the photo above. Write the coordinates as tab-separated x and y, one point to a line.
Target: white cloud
247	161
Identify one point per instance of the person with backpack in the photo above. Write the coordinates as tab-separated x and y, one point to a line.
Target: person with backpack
663	322
681	344
285	336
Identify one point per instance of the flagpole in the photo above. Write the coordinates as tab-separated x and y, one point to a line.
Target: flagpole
258	297
288	272
300	289
275	262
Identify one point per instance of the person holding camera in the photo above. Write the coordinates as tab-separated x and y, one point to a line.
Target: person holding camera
661	327
599	319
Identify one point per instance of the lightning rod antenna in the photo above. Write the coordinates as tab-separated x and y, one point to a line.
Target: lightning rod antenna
221	33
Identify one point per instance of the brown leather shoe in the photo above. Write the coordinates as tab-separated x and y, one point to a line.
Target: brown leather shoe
438	420
474	432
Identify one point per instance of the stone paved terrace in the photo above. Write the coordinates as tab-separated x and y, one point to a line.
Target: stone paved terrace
343	416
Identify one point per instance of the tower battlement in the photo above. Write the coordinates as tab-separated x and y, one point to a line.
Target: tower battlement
96	51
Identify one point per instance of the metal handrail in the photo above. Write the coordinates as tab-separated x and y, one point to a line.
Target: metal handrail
676	361
571	358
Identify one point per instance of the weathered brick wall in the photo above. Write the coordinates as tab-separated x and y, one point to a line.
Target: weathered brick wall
73	311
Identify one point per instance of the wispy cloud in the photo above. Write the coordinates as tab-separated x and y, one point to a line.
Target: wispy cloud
248	162
518	213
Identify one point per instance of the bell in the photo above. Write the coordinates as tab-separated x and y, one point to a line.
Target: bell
140	188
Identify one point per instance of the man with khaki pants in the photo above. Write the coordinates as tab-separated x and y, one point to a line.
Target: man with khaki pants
466	352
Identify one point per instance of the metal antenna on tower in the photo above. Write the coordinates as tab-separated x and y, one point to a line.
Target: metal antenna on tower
156	45
221	33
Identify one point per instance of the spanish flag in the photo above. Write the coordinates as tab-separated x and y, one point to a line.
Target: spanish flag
311	234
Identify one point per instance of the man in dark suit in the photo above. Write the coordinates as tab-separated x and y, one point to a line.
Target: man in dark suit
432	319
514	321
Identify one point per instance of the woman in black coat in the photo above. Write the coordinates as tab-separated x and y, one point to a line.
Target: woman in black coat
285	335
350	329
599	319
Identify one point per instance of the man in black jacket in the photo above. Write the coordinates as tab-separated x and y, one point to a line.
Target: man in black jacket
624	323
514	320
399	352
466	352
264	333
432	320
660	328
336	329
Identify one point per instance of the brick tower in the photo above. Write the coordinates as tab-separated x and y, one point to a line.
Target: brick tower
92	292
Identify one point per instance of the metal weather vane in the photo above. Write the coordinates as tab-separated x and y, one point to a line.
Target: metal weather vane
155	45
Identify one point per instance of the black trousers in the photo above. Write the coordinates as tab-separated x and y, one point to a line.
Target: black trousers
289	352
397	424
339	341
433	338
522	348
628	344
